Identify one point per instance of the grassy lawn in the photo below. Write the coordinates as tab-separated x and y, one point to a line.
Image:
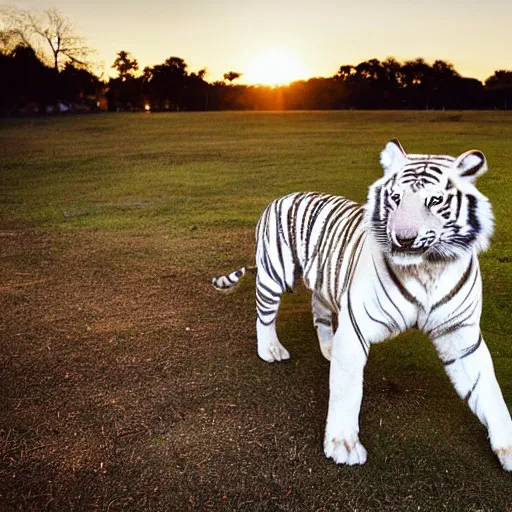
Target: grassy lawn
129	383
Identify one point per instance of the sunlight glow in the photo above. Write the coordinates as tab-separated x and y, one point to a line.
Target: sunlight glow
276	66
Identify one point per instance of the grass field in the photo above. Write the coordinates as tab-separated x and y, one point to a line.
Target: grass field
128	383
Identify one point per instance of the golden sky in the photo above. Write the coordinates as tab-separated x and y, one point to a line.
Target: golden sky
224	35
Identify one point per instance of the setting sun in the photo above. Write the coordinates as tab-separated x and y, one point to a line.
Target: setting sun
276	66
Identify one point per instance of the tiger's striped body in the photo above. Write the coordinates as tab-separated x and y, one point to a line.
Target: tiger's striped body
316	234
407	259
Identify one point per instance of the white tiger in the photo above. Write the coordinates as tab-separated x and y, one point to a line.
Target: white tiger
406	259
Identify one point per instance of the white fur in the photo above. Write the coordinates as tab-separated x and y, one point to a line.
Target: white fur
392	158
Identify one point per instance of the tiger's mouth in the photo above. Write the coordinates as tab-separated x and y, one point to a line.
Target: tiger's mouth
406	256
407	250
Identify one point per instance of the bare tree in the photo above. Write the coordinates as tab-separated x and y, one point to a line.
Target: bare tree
49	33
15	29
59	33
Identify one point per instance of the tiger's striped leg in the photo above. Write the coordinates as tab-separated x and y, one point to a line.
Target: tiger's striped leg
322	319
268	297
349	356
469	365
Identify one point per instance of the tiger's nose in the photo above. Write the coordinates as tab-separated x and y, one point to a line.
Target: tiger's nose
405	243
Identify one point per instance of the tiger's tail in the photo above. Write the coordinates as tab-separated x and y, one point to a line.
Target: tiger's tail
228	282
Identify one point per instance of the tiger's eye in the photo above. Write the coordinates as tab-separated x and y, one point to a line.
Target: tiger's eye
396	198
434	201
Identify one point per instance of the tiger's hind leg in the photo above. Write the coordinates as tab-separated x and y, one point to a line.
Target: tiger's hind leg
323	322
268	298
276	274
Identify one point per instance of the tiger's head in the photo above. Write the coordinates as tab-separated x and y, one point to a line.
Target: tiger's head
426	208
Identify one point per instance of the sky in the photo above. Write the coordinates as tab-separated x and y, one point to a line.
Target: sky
230	35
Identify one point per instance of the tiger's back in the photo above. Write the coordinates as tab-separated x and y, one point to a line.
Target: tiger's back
314	234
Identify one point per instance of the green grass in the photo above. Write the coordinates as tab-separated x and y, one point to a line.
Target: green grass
134	170
183	192
216	172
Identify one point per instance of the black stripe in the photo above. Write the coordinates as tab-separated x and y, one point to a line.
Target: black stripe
466	352
410	298
431	178
456	289
457	324
268	290
387	294
266	223
428	161
353	264
472	217
266	324
317	208
356	327
470	350
391	319
376	210
470	392
455	327
376	320
265	300
473	170
477	274
310	199
338	211
459	204
279	239
271	270
292	221
348	232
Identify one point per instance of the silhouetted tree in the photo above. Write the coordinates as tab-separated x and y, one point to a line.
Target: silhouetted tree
79	86
197	91
499	89
165	83
26	81
417	81
231	75
125	65
501	78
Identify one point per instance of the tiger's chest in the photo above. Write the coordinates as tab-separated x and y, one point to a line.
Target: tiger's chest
387	300
434	294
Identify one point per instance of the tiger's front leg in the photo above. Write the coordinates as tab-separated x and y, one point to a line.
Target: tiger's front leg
469	365
349	356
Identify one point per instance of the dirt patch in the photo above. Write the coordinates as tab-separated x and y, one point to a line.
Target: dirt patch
128	383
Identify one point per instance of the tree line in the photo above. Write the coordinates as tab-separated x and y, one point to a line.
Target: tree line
45	66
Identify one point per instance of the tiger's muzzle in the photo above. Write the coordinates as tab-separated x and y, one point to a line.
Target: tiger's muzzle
411	228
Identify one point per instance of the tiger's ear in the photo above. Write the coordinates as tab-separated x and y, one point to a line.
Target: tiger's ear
470	164
393	157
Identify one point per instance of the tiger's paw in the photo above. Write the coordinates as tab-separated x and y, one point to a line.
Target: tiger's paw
273	351
344	452
505	457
